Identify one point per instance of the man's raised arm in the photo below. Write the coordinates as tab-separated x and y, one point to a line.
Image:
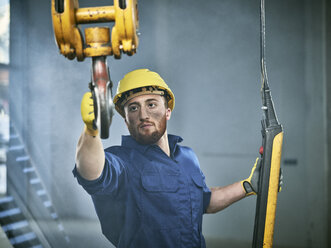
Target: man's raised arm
90	156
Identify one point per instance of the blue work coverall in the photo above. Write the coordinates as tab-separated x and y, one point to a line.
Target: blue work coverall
146	199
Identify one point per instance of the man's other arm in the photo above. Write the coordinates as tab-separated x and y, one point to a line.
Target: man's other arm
222	197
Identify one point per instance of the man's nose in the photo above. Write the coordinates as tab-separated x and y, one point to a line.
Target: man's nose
144	113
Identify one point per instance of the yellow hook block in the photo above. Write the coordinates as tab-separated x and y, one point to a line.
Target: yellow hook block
67	16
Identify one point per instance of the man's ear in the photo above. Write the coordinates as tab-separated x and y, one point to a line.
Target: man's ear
126	122
125	117
168	113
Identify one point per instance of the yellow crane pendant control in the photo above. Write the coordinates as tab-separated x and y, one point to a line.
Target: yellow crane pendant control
272	140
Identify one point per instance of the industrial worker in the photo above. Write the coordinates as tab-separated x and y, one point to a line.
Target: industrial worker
149	192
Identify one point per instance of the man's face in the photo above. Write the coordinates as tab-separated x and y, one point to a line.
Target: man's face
146	117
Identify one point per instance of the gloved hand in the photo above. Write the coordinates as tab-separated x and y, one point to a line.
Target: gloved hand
251	184
87	112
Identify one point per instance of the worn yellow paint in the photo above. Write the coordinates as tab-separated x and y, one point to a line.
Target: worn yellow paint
70	40
67	34
124	33
97	42
273	190
95	14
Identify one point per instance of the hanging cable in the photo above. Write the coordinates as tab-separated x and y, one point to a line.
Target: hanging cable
272	140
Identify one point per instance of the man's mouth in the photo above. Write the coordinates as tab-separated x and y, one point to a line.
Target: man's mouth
146	125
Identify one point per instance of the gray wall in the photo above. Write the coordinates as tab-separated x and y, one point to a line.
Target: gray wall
208	53
328	110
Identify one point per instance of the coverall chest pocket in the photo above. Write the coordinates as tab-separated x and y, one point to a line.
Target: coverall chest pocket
155	182
159	198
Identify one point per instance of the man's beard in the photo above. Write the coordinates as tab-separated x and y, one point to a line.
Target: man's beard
152	138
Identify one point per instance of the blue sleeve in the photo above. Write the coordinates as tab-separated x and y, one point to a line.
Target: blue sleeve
206	194
206	190
110	181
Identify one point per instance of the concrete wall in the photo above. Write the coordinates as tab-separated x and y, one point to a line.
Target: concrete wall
208	53
328	109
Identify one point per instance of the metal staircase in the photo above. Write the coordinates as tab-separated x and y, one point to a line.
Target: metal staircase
16	226
27	214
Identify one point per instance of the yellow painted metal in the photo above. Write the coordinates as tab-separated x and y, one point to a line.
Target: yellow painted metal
70	40
97	42
95	15
124	33
273	190
67	34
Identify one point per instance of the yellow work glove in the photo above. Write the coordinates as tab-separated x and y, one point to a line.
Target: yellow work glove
87	112
251	184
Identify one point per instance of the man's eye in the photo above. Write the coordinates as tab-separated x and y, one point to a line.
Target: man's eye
151	105
133	108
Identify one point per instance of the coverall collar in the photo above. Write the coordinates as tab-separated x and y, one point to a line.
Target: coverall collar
130	142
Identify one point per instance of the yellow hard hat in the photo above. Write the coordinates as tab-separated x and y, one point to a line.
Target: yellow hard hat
139	82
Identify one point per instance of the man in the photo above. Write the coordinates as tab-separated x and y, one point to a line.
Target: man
150	191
